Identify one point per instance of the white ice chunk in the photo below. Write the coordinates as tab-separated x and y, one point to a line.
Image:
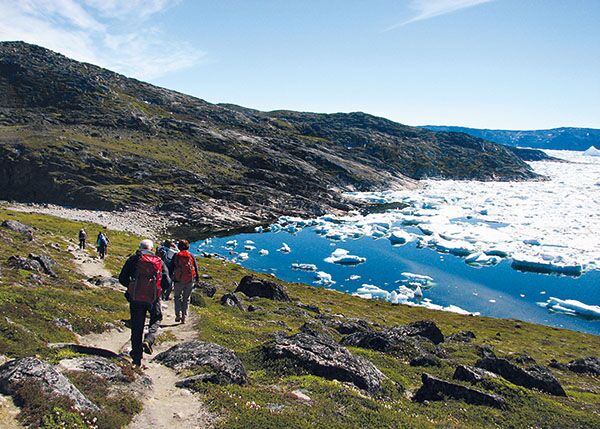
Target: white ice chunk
249	247
343	257
592	151
544	263
304	267
572	307
353	277
284	248
323	278
242	256
263	252
399	236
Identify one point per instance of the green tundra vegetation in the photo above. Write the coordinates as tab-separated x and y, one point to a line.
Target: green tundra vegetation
27	327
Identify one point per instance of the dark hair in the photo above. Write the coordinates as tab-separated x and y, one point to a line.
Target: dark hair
183	245
167	243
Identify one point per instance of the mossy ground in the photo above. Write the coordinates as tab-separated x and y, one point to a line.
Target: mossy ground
28	325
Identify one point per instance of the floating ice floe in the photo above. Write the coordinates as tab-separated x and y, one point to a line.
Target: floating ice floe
354	277
324	279
249	247
263	252
415	280
304	267
250	242
546	263
399	236
242	256
231	243
259	229
343	257
481	258
284	248
572	307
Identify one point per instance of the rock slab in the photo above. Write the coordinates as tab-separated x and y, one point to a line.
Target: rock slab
254	287
436	389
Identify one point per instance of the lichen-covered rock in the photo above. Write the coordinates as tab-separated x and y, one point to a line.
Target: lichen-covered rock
207	289
426	360
422	328
52	382
461	337
253	286
17	226
23	263
391	341
321	356
535	377
346	325
105	281
472	374
232	300
196	354
100	366
436	389
46	262
584	365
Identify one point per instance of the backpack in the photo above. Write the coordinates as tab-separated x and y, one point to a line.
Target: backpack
184	271
145	287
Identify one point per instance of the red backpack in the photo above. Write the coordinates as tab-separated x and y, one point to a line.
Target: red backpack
145	287
184	271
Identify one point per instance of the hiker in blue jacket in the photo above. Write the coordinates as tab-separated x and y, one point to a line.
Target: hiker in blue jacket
143	275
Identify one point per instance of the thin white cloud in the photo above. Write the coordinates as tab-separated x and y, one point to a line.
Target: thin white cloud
425	9
113	34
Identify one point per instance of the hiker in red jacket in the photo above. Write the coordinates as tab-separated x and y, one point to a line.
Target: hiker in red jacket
184	271
143	275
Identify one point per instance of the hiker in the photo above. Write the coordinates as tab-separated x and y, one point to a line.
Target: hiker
184	272
166	251
82	238
143	275
102	244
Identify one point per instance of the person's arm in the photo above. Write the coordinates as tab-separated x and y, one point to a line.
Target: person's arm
166	279
171	266
127	272
196	269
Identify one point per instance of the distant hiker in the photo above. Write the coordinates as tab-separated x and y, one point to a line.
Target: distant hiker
102	244
82	238
184	271
143	275
166	251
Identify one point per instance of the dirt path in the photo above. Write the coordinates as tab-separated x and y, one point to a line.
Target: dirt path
164	406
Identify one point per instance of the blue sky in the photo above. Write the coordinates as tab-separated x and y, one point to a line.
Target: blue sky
512	64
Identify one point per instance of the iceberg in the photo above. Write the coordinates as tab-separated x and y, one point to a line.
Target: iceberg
591	151
249	242
263	252
304	267
547	264
481	258
323	278
242	256
249	247
353	277
455	247
259	229
284	248
231	243
343	257
572	307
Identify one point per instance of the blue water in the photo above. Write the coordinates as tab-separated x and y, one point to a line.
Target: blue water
456	282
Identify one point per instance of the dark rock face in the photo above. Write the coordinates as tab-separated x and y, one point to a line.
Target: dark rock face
207	289
195	354
51	381
17	226
346	325
461	337
232	300
435	389
202	378
100	366
252	286
321	356
472	374
584	365
485	351
535	377
103	281
23	263
423	328
309	307
46	262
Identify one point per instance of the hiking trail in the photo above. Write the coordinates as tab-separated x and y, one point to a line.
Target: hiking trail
164	405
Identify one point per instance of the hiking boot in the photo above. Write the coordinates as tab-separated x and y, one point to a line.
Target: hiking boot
177	319
147	347
182	320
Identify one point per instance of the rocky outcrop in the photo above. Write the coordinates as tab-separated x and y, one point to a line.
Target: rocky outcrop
17	226
423	328
254	287
535	377
346	325
584	365
192	355
207	289
436	389
104	281
35	263
320	355
472	374
232	300
461	337
51	381
99	366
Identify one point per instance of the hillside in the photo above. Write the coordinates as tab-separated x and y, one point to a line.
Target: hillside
556	138
76	134
362	366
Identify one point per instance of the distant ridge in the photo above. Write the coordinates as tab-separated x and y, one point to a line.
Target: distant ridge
565	138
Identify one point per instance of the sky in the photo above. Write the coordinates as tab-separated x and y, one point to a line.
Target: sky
505	64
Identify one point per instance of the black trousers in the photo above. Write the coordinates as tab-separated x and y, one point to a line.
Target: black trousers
138	313
82	243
